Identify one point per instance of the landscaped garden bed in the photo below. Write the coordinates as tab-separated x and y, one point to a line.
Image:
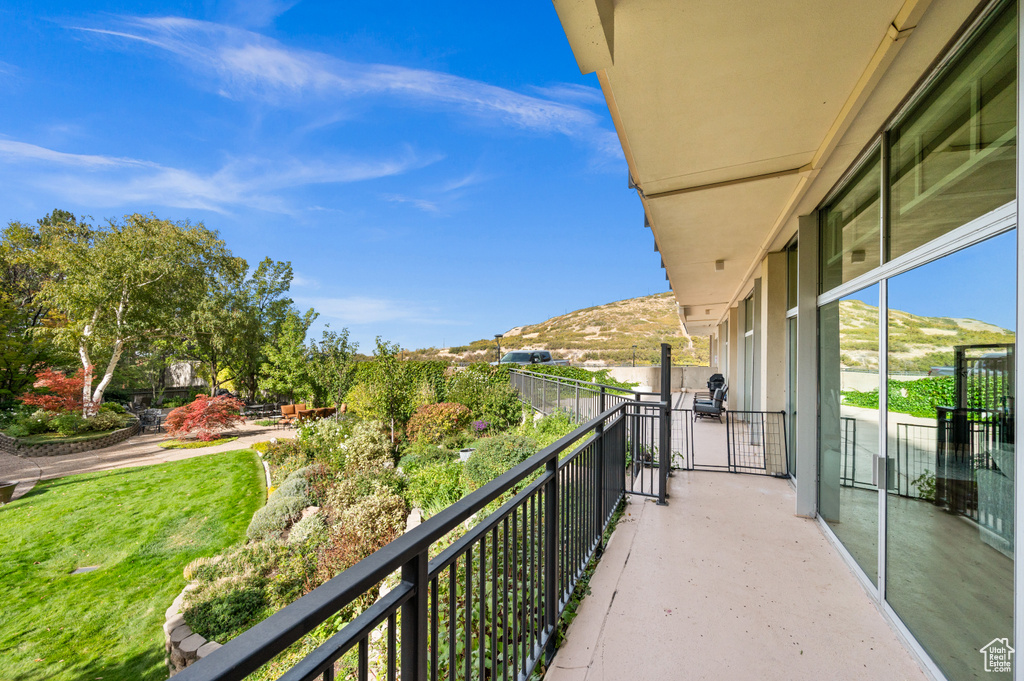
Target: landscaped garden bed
344	487
55	422
139	528
54	444
50	438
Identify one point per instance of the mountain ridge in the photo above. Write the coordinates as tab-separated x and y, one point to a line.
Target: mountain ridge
601	335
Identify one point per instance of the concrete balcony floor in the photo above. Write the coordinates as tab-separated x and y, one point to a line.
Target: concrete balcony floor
726	583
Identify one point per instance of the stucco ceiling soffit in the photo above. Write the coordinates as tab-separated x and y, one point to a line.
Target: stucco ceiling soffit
590	27
885	53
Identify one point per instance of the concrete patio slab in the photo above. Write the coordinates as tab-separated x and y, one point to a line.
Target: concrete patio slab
727	583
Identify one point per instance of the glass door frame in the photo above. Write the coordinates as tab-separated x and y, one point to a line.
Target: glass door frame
999	221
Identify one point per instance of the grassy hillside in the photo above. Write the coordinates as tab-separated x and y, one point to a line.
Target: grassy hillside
604	334
916	343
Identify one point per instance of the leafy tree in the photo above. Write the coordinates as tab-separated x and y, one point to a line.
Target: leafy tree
392	390
331	367
205	416
213	330
64	392
266	298
24	346
286	371
124	283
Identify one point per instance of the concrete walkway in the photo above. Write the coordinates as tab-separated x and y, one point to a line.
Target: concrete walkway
726	583
141	450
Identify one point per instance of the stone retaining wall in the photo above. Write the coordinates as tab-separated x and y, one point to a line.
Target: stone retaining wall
182	646
12	445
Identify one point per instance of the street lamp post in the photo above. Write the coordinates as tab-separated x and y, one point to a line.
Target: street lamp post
634	355
497	339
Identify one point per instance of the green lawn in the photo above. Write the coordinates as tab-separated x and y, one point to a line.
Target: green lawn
46	438
141	526
196	444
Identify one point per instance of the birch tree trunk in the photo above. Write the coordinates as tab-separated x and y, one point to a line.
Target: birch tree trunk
83	354
108	375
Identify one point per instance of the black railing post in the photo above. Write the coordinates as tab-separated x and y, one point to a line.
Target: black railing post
599	449
551	559
728	441
414	620
665	439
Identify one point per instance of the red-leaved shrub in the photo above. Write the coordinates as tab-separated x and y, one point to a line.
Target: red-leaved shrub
434	422
205	417
65	391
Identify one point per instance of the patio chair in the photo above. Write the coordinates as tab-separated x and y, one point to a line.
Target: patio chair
714	383
290	413
706	409
151	418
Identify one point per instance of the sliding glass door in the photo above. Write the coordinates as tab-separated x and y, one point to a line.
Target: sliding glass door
849	364
917	357
951	452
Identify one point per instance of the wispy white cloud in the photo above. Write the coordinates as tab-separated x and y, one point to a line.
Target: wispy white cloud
443	196
304	282
247	65
13	151
571	92
368	310
468	180
257	13
423	204
254	182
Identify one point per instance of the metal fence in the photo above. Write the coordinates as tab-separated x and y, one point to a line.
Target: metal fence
756	442
849	475
914	461
748	442
488	605
751	442
581	400
643	449
682	440
966	442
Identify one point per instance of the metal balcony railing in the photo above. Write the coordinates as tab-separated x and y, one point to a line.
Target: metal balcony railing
487	606
582	400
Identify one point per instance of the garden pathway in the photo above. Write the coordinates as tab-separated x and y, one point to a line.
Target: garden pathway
141	450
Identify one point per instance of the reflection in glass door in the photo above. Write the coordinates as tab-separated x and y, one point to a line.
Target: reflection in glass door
791	396
951	449
848	448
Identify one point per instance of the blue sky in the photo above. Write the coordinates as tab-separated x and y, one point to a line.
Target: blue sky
973	283
435	172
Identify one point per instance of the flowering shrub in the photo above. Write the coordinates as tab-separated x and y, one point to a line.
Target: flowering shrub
65	391
368	449
435	422
323	439
365	526
205	416
480	426
495	455
488	394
